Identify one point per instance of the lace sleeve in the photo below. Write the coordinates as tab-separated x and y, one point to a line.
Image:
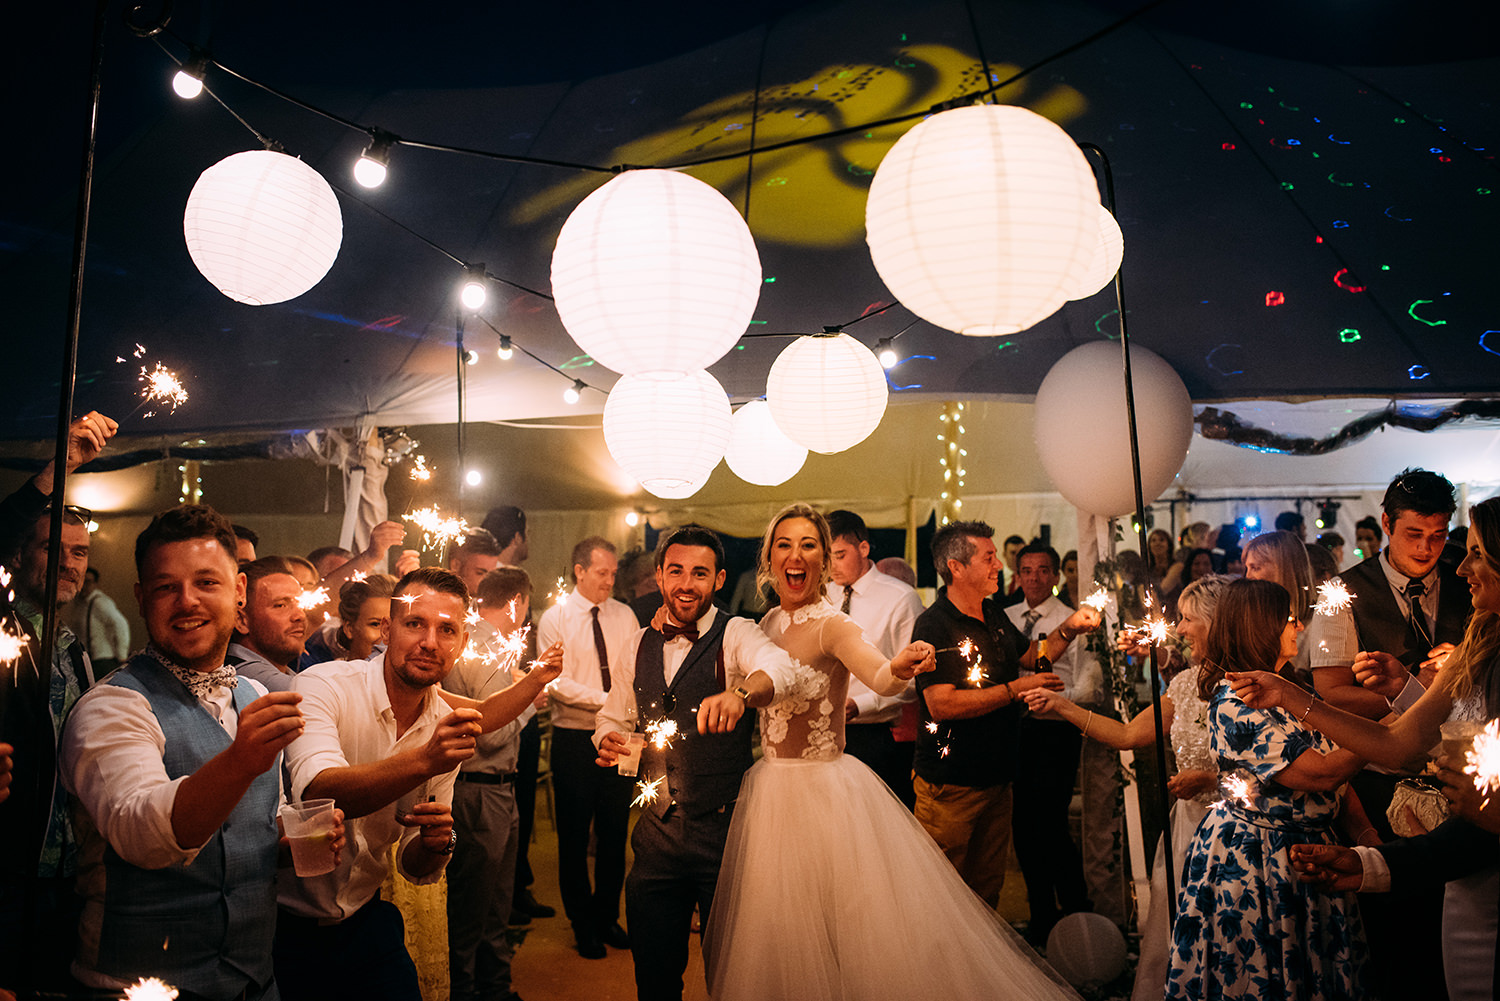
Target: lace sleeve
845	642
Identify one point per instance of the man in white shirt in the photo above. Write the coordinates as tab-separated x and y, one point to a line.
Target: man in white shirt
1048	760
173	762
886	609
701	670
384	742
594	630
98	622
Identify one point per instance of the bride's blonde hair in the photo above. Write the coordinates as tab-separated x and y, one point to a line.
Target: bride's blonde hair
799	510
1475	659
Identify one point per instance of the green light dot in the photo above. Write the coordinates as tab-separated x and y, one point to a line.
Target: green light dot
1348	335
1385	267
759	322
1317	156
1246	105
1287	186
739	347
1399	121
1481	191
770	280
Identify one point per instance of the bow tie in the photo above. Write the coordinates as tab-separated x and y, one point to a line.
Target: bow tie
671	632
201	683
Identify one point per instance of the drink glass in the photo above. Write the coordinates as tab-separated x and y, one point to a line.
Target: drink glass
1458	738
629	763
309	831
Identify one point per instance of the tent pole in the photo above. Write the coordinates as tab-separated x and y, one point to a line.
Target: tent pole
462	466
1141	531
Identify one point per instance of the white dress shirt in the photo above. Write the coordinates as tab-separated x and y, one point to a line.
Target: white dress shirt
478	678
1082	680
348	720
1333	640
746	650
886	609
578	692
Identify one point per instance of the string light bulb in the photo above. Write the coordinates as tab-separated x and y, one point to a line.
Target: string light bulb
473	294
505	352
188	83
473	477
574	393
471	357
886	353
370	168
632	518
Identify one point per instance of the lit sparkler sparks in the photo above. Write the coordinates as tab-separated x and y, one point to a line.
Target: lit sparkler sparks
162	387
965	649
662	733
932	726
11	644
308	600
647	791
559	591
1097	600
1333	597
976	674
436	529
1156	630
1237	788
359	575
1483	760
150	989
420	470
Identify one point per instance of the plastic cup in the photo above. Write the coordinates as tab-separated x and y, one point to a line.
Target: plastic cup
1458	738
309	830
629	763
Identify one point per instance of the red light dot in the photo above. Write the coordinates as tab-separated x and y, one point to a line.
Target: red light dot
1227	146
1445	159
1275	298
1317	239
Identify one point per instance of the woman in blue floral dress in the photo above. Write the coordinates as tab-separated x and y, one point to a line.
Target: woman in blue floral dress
1246	927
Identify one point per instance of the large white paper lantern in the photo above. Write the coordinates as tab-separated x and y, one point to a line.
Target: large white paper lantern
1082	436
262	226
826	393
758	452
670	433
983	219
655	272
1109	251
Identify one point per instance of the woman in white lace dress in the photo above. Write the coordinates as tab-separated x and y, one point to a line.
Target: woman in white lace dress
1195	784
829	887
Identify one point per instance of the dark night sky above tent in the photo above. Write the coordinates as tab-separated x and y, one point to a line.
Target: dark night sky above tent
1306	191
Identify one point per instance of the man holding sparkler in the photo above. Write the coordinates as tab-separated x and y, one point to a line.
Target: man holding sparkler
481	876
384	742
966	747
690	685
37	848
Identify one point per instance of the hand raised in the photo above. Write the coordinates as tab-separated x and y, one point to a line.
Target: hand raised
409	560
453	742
435	820
87	437
916	658
384	536
1380	672
1261	689
1085	620
266	726
548	665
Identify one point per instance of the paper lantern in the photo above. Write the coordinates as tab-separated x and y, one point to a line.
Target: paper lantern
1108	253
983	219
758	452
668	434
263	227
826	393
655	272
1087	949
1082	436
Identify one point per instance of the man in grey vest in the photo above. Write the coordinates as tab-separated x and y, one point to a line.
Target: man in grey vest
701	671
173	762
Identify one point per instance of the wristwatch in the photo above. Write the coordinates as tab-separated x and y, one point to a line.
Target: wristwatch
743	693
452	844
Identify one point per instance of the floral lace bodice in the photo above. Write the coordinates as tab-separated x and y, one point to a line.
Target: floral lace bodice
1189	732
807	718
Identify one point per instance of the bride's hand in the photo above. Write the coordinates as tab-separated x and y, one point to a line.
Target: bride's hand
916	658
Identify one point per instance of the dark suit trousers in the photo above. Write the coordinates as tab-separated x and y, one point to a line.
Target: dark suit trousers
587	795
1046	770
873	744
676	868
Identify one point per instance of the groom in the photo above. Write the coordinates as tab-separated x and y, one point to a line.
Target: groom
701	671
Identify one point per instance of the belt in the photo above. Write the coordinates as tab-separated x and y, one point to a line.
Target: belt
488	778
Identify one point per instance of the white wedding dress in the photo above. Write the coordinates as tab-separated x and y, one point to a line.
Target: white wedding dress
830	889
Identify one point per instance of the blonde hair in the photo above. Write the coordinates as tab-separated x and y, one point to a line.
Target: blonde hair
799	510
1287	553
1472	663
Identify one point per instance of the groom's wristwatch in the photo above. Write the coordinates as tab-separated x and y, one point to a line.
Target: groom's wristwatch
743	693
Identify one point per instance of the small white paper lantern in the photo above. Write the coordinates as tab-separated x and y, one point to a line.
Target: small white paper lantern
1082	435
1108	253
668	434
262	226
655	272
826	393
758	452
982	219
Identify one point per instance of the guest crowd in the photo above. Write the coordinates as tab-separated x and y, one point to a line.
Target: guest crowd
1326	843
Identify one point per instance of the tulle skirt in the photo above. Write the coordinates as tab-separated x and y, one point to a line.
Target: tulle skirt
830	889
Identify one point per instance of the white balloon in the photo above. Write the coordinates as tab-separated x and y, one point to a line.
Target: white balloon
1082	435
668	434
758	452
263	227
1087	949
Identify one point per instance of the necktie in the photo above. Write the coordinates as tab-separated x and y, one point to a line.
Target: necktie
599	648
1031	618
1415	589
848	595
671	632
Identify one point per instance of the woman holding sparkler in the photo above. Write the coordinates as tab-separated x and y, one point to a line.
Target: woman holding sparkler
1467	689
1245	925
829	887
1184	714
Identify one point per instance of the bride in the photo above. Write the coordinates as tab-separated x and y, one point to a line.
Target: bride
829	887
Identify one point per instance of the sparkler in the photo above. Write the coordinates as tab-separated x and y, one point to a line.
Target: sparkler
1156	630
150	989
932	726
1483	760
436	529
647	791
11	645
965	649
359	575
1097	600
662	733
559	591
420	470
1237	788
308	600
976	673
1333	598
161	388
